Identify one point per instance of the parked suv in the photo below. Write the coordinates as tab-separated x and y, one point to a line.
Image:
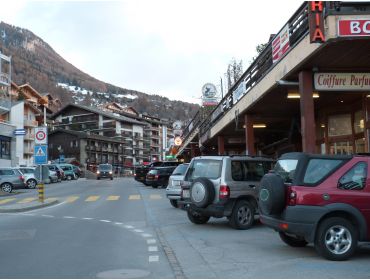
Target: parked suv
223	186
68	171
11	178
29	176
320	199
142	171
173	190
159	176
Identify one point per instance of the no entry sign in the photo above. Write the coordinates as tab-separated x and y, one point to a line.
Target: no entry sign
41	137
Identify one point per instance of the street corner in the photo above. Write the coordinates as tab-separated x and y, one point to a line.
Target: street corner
14	208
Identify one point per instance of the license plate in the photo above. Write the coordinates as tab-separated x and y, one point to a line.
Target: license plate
185	193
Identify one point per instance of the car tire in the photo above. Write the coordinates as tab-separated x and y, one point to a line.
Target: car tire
271	194
7	187
69	177
111	178
146	184
31	184
202	192
292	240
174	203
242	216
336	239
154	186
98	178
197	218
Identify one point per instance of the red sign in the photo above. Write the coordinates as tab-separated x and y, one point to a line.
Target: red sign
316	21
354	27
280	44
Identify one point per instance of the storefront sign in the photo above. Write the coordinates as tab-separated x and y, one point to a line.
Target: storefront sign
342	81
216	113
280	45
209	93
316	21
353	28
227	103
239	92
178	141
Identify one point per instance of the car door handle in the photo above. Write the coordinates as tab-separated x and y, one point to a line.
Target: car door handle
252	186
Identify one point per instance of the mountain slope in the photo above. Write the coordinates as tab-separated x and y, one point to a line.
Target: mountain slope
36	63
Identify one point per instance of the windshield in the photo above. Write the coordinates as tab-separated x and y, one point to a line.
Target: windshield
105	167
207	168
286	168
181	169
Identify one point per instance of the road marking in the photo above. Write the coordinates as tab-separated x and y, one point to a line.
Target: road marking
146	235
113	197
138	230
151	241
129	227
50	199
27	214
48	216
92	198
87	218
72	199
105	221
155	196
69	217
3	201
27	200
153	258
153	249
134	197
118	223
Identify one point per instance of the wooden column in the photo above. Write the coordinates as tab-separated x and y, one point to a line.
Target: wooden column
307	112
249	135
192	150
221	145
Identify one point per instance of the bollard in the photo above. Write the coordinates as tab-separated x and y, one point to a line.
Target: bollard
41	192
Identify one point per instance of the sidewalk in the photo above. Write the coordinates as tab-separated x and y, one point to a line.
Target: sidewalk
22	207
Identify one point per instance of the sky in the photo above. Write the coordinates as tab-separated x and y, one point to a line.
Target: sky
165	47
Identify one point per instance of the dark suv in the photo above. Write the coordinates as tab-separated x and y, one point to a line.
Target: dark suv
159	176
318	199
223	186
142	171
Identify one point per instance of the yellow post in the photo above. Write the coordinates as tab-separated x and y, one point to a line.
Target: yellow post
41	192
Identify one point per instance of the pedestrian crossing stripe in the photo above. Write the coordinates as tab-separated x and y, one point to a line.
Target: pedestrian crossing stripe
3	201
113	197
134	197
155	196
92	198
72	199
27	200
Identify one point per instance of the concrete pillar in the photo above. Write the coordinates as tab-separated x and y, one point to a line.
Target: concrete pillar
221	145
307	112
192	150
249	135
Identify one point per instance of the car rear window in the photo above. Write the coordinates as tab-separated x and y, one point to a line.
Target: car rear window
318	169
180	170
153	172
286	169
249	170
27	170
207	168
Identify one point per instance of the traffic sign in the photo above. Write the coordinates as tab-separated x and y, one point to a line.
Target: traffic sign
41	154
41	137
19	131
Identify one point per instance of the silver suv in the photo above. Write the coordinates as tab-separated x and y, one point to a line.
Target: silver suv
11	178
223	186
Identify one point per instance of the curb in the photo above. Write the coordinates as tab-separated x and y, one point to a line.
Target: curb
29	208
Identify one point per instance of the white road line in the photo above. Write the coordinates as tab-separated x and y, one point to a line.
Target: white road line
151	241
129	227
87	218
27	214
118	223
48	216
153	258
69	217
146	235
138	230
105	221
153	249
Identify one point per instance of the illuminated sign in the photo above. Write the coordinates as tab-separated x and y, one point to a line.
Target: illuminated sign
178	141
354	27
316	21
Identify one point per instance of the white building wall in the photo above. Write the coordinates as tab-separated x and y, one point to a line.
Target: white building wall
17	119
138	129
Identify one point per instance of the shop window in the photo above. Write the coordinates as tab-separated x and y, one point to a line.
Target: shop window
355	178
341	148
340	125
360	145
5	147
359	122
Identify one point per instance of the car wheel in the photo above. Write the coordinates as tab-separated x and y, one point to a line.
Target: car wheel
154	186
98	178
292	241
242	216
146	184
31	183
336	239
111	178
272	194
173	203
7	187
69	177
197	218
202	192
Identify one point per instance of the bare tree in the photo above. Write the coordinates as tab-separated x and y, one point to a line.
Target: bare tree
234	72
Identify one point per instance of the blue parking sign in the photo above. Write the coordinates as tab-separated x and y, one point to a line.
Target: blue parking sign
41	154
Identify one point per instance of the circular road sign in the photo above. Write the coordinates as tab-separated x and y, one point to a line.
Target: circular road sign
178	141
40	135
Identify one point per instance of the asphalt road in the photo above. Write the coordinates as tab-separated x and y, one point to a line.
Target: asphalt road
122	229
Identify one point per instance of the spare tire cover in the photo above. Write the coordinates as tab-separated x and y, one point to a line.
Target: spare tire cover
272	194
202	192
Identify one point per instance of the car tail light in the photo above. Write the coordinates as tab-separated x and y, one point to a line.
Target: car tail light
134	174
156	177
292	197
224	192
21	178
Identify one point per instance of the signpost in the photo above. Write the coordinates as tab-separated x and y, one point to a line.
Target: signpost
41	157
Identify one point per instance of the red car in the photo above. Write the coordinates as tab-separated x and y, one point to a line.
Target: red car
319	199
